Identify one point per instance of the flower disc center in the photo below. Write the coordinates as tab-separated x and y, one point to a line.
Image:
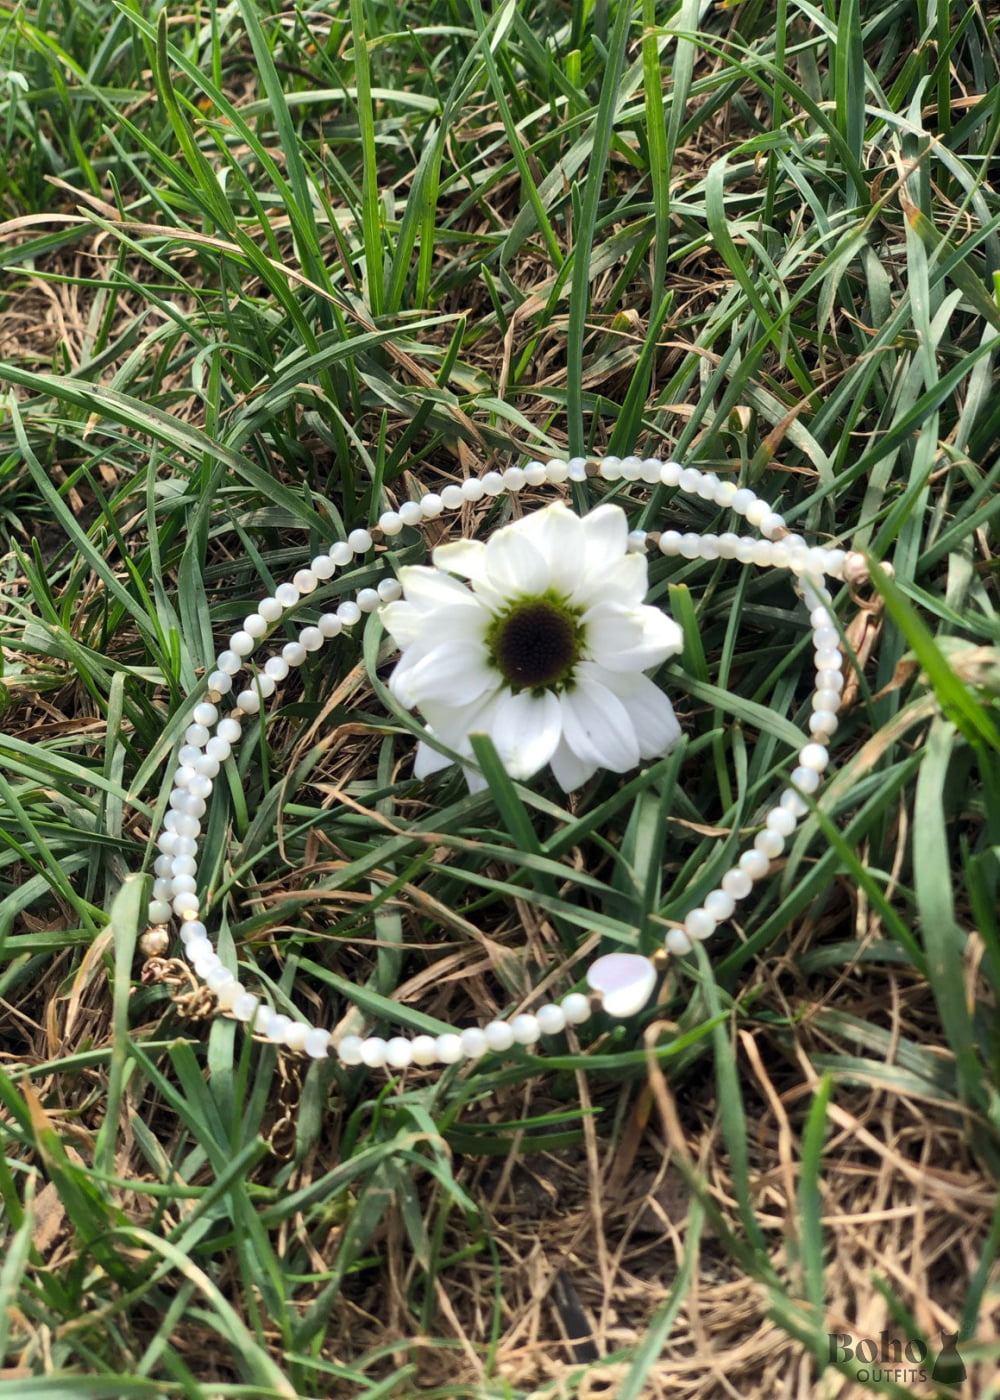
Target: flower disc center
535	644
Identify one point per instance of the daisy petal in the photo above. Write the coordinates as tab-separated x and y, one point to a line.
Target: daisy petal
525	731
570	770
558	536
611	629
453	672
408	626
650	711
623	581
514	566
427	761
468	558
655	637
427	588
596	724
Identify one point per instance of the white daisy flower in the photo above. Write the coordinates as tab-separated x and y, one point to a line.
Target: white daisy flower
545	652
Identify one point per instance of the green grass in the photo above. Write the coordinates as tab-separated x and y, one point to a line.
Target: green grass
266	269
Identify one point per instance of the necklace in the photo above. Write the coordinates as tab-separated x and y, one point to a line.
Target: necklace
619	983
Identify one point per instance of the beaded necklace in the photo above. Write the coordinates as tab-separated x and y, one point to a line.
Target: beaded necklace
619	983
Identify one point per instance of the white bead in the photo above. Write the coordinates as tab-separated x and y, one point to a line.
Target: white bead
728	545
265	685
399	1052
185	845
670	543
196	735
772	524
311	638
186	826
826	698
636	542
472	488
535	474
610	468
294	653
198	949
524	1029
360	541
795	803
755	864
204	713
218	977
389	590
270	609
374	1051
823	723
763	554
781	820
474	1043
631	468
278	1028
163	866
423	1050
499	1036
185	905
677	942
690	480
758	512
349	1050
390	522
828	659
316	1043
451	497
745	549
167	842
229	730
410	513
670	473
769	843
241	643
651	470
330	625
576	469
780	554
724	493
367	599
205	966
826	638
551	1019
341	553
254	625
513	479
349	612
220	683
305	580
710	547
322	566
576	1008
557	470
690	546
276	667
262	1019
707	485
814	756
737	883
244	1006
295	1035
159	911
449	1048
248	701
431	505
194	928
742	500
623	981
226	994
699	924
720	904
287	595
182	884
228	663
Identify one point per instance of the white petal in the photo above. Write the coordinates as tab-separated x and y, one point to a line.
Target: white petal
596	724
413	627
428	761
606	534
468	558
429	588
650	711
646	637
454	672
570	770
557	534
526	730
624	580
514	566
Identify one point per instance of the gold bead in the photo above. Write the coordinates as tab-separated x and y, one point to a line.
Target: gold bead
154	943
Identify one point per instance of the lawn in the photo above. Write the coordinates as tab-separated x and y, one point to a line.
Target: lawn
271	271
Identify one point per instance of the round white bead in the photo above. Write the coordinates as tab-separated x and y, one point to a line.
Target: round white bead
330	625
472	488
814	756
248	701
311	638
163	866
349	612
341	553
229	730
823	723
826	697
204	713
305	581
551	1019
389	590
707	486
423	1050
254	625
244	1006
576	469
535	474
758	512
828	659
755	864
399	1052
219	977
276	667
360	541
241	643
197	735
557	470
270	609
729	543
524	1029
795	803
349	1050
720	904
449	1048
772	524
194	928
198	949
724	493
323	567
451	497
670	473
699	924
677	942
316	1043
390	522
631	468
826	638
374	1051
294	653
690	480
159	911
265	685
781	820
651	470
499	1036
228	663
220	683
763	554
737	883
610	468
295	1035
636	542
185	905
710	547
670	543
431	505
770	843
287	595
367	599
410	513
742	500
474	1043
576	1008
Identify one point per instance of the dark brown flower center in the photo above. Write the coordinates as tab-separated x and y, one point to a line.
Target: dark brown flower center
535	644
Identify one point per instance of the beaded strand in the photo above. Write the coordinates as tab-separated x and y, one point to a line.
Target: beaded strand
210	739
